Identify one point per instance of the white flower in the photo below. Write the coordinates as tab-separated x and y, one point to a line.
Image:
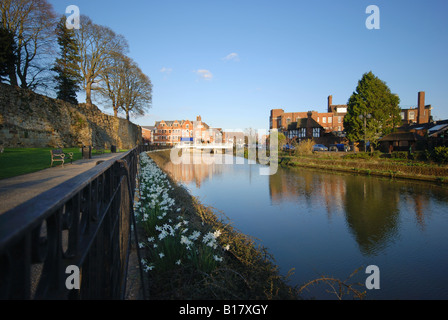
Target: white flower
185	240
219	259
227	247
141	245
195	235
178	262
217	233
161	255
177	226
148	268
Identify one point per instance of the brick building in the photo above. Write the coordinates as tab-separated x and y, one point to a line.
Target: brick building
148	134
311	124
185	132
419	115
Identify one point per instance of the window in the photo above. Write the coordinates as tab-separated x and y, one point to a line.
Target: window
316	133
324	119
330	120
302	133
318	119
411	115
402	116
288	121
340	119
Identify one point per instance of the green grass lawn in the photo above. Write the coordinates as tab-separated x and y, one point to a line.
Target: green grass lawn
15	162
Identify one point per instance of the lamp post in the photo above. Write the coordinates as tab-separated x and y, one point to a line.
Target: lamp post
365	116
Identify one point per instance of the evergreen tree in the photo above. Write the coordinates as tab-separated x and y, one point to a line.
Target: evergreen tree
67	66
7	56
372	111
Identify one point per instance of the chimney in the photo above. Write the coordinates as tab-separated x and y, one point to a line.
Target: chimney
422	116
309	125
330	103
198	118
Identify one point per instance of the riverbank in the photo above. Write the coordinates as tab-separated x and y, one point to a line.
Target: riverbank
369	165
238	268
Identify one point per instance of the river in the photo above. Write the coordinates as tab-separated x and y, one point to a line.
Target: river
323	223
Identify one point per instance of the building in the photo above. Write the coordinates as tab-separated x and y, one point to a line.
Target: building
418	132
148	134
311	124
185	132
419	115
173	132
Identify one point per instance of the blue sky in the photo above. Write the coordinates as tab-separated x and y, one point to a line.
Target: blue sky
233	61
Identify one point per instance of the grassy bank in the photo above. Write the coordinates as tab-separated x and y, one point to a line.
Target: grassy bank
369	164
18	161
191	251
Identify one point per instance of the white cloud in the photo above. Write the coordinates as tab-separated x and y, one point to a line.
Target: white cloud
231	57
166	70
204	74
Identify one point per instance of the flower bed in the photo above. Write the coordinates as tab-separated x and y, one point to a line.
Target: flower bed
169	236
189	252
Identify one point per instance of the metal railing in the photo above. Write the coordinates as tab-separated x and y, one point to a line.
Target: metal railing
85	222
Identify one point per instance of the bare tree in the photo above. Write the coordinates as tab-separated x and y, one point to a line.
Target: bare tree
125	85
98	44
137	94
32	24
112	81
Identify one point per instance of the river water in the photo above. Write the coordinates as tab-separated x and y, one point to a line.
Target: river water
323	223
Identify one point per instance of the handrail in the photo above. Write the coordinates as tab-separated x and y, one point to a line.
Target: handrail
84	222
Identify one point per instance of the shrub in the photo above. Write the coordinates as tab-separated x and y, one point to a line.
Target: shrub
440	155
304	147
421	155
376	154
399	155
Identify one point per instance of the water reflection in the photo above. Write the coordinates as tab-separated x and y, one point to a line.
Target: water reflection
370	206
194	171
371	210
316	221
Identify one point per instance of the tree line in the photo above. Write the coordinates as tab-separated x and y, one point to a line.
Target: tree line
38	52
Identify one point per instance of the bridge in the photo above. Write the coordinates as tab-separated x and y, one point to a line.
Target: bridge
206	146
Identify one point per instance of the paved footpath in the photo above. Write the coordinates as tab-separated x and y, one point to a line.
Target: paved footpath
14	191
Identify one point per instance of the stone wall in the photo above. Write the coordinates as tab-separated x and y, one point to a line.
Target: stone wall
30	120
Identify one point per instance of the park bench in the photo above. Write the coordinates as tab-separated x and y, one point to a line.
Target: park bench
59	155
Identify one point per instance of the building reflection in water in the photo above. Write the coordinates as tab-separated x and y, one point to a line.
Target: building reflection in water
194	171
371	206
